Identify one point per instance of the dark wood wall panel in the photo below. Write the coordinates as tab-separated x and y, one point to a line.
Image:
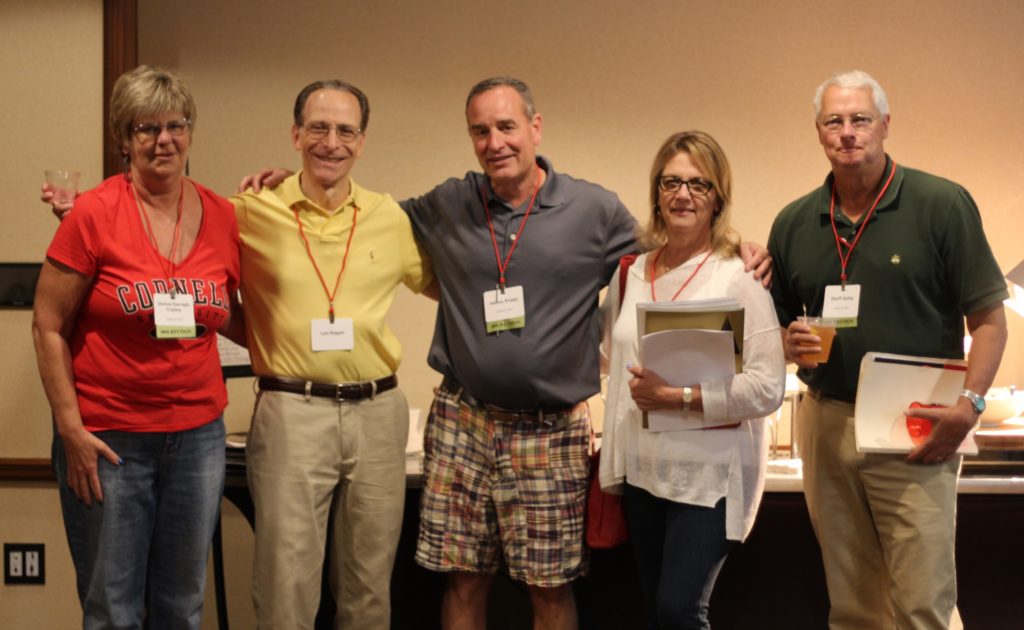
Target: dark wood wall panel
120	54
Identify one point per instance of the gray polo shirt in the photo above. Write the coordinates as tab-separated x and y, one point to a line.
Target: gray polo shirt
567	252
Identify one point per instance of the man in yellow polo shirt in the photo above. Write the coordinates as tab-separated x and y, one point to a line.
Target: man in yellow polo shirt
321	259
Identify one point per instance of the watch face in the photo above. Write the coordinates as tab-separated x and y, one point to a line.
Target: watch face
977	402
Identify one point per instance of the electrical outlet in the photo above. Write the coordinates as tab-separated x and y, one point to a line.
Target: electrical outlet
24	563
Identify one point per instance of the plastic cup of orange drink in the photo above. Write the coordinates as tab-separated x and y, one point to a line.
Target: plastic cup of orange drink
825	329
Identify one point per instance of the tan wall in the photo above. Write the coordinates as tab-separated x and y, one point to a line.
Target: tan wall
611	78
51	110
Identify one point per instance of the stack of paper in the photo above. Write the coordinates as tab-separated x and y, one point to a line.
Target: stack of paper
888	385
687	343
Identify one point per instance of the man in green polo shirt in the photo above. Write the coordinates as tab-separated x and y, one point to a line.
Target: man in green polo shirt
908	250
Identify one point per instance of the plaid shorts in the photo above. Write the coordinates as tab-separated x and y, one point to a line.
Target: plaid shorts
504	489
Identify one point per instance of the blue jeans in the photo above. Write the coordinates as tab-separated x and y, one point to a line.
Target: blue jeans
679	551
142	552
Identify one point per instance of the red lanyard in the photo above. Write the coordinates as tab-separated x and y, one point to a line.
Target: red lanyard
845	260
344	259
494	238
152	238
654	265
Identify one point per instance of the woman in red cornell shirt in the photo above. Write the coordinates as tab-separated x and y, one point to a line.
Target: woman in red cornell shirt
136	283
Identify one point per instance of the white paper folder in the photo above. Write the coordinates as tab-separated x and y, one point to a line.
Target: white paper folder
888	384
689	342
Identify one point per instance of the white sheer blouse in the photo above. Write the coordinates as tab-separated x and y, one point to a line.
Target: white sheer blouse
695	467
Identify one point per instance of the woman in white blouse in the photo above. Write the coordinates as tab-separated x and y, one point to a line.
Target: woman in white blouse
690	495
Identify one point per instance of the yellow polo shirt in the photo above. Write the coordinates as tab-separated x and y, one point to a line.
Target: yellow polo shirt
281	293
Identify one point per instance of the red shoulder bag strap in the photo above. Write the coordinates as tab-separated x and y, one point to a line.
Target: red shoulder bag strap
624	264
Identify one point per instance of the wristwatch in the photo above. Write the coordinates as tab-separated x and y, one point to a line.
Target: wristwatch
687	398
977	401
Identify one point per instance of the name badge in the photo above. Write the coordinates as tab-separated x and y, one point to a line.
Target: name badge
175	316
327	336
842	304
504	310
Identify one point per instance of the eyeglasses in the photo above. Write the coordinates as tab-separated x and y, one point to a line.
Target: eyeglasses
319	131
698	186
859	122
148	132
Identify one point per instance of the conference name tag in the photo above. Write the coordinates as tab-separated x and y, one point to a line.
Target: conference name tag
174	316
337	336
842	304
504	310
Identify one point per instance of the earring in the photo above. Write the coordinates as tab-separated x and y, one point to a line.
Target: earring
126	165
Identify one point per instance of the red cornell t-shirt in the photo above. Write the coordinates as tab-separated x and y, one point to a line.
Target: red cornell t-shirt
126	378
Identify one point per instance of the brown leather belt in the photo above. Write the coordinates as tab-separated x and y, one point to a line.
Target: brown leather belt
343	391
557	417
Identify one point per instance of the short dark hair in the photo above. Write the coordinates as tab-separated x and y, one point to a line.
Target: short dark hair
333	84
529	107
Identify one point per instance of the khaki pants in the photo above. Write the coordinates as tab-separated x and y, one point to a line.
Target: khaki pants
886	527
308	459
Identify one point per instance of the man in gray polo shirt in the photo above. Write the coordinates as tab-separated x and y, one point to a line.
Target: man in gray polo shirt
521	252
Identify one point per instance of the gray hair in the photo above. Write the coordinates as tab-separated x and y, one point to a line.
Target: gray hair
529	108
851	80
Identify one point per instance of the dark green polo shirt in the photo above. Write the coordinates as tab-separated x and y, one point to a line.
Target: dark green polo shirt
922	263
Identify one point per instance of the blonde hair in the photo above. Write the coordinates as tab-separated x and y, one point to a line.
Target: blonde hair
147	91
710	159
